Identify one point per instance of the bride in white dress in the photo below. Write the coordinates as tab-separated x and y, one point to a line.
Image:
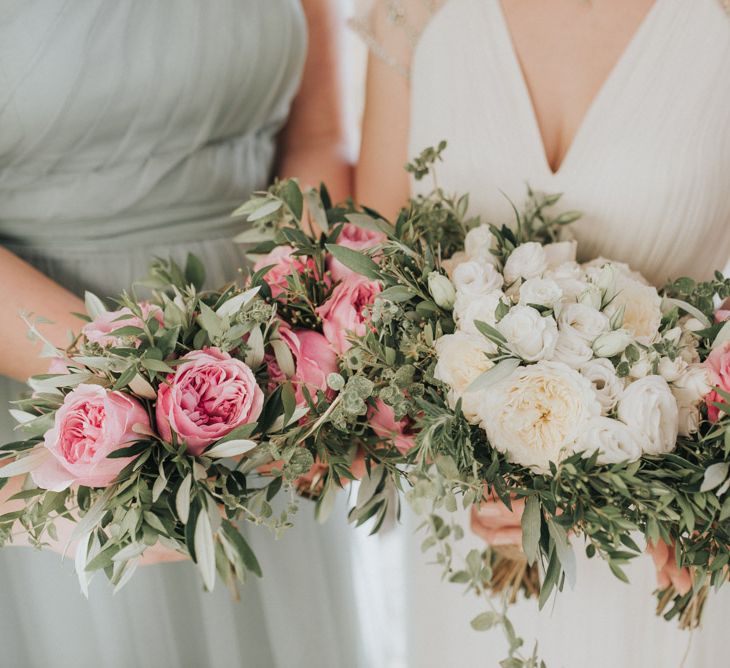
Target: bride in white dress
624	106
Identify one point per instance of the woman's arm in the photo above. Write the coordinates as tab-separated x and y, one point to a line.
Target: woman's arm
25	289
313	145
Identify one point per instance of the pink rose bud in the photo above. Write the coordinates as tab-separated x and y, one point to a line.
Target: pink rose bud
99	330
284	264
383	423
91	423
208	396
668	573
344	312
354	238
315	360
496	524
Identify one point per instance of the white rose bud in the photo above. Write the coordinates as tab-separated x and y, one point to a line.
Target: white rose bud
478	244
474	278
608	386
529	335
467	310
540	291
442	290
526	261
650	410
611	343
691	324
673	335
612	439
641	368
694	382
592	297
670	370
560	252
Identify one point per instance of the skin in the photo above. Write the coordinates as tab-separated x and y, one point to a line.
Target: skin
566	48
311	148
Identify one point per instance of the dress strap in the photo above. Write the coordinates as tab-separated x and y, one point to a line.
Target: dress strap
391	28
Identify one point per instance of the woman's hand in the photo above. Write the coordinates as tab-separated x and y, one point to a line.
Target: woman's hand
497	524
667	571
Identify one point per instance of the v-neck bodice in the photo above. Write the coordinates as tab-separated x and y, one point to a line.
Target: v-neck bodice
649	166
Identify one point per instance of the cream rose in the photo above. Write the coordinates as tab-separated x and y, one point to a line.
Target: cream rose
607	385
473	279
526	261
537	413
560	252
462	358
540	291
648	407
467	310
612	439
642	308
529	335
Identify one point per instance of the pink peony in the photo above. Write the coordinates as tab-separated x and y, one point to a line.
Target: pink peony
355	238
208	396
91	423
284	264
383	423
718	363
344	312
99	329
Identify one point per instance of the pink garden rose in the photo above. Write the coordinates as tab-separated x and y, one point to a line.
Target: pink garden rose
356	238
722	314
718	363
344	312
284	264
208	396
91	423
383	423
99	329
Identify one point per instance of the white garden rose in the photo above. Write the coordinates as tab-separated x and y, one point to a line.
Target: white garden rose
572	349
648	407
529	335
582	321
478	244
536	414
473	279
540	291
690	389
526	261
483	308
612	439
570	278
560	252
462	358
607	385
642	309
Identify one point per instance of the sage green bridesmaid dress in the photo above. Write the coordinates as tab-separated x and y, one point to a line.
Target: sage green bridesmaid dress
131	129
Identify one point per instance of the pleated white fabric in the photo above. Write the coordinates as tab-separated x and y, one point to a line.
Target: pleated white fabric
650	170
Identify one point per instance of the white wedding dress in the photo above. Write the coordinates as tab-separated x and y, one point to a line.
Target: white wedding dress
650	170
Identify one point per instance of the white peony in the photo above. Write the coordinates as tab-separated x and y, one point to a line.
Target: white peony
642	308
540	291
483	308
478	244
583	321
648	407
536	414
572	349
473	279
526	261
607	385
611	438
462	358
560	252
529	335
690	389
